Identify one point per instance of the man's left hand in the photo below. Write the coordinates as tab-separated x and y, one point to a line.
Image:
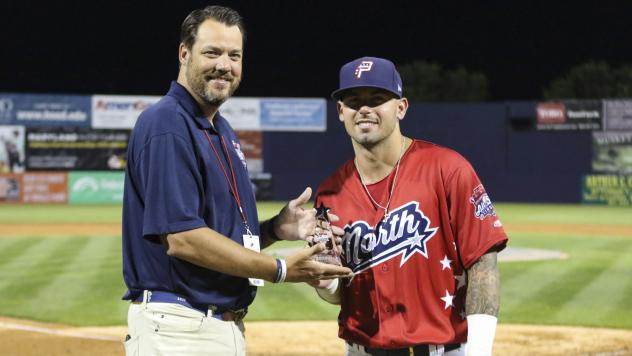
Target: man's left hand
295	222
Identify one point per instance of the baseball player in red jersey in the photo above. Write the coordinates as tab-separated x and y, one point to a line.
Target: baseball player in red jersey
420	231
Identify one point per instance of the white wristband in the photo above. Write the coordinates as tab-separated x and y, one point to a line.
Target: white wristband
481	329
283	271
330	293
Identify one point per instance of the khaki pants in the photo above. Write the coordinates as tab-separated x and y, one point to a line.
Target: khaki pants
173	329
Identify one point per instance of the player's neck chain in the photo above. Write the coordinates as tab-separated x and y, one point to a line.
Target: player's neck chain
390	194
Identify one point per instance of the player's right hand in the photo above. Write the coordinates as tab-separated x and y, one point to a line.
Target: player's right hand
335	229
301	268
337	233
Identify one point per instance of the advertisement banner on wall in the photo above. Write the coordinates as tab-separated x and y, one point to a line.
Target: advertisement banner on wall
7	108
242	113
44	110
607	190
10	188
272	114
612	152
569	115
95	187
11	149
294	115
251	144
44	187
618	115
119	111
75	149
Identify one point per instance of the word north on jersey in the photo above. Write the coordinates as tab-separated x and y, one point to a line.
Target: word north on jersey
405	232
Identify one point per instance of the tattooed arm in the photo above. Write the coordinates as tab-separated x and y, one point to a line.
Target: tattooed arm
483	287
481	305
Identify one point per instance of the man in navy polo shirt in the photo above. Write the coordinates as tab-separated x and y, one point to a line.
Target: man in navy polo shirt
190	222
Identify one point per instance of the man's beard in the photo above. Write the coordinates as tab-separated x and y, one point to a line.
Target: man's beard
198	84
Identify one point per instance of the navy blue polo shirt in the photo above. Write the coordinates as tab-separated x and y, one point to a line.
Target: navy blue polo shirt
174	183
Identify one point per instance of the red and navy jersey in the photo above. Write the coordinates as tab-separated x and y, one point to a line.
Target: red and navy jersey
410	281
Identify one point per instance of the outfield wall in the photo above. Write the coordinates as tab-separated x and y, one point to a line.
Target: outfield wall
514	161
564	152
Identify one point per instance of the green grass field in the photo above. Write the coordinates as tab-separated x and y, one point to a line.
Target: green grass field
77	279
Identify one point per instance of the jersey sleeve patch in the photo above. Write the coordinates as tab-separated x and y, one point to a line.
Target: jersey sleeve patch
482	204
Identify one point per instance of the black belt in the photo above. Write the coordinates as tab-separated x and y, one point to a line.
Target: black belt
417	350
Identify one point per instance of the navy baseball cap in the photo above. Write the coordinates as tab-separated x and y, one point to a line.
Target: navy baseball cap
370	72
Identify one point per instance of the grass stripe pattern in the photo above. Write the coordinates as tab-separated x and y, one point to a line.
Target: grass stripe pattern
77	280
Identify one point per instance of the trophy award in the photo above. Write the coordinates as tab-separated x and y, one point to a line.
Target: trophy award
323	234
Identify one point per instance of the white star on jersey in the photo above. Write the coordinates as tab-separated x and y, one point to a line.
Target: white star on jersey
462	280
445	263
447	299
417	244
417	240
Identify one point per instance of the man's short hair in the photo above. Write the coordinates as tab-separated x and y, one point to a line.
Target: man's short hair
221	14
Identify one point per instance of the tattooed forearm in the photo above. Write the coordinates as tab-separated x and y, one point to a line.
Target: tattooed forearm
483	287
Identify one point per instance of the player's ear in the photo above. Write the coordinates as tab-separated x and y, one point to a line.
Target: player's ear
402	107
339	108
183	54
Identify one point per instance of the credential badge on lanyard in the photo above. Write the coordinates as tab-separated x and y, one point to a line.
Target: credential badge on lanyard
251	241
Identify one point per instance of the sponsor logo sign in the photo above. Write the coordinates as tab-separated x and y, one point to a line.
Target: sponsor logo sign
44	187
618	115
293	115
551	113
242	113
119	111
45	110
6	109
76	149
607	189
272	114
569	115
95	187
612	152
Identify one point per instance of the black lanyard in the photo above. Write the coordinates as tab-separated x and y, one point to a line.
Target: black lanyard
232	184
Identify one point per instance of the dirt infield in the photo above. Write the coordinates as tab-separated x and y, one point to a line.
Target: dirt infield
27	338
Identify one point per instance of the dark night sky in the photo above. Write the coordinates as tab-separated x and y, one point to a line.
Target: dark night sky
295	48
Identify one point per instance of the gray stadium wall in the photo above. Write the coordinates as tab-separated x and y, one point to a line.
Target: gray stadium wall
515	162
